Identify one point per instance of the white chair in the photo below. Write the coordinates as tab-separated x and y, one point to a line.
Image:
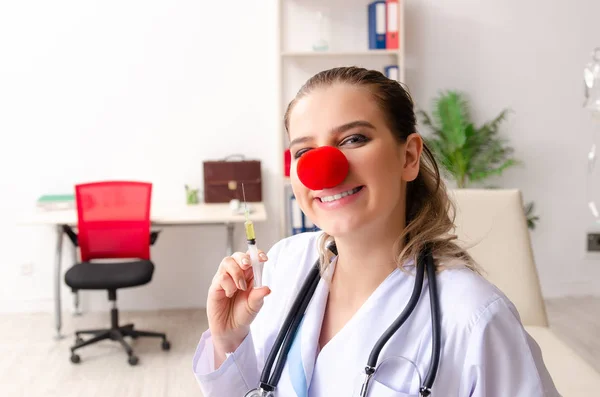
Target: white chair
492	225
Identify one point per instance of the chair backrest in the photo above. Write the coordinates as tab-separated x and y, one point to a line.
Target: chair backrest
491	223
113	219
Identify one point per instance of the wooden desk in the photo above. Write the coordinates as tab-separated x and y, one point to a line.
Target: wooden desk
161	216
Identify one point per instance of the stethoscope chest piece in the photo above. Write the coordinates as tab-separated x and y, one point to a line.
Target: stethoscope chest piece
259	392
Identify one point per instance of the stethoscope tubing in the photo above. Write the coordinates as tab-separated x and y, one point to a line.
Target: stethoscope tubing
436	325
412	303
425	262
291	321
291	333
280	349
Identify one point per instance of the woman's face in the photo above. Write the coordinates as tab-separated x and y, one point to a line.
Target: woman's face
347	117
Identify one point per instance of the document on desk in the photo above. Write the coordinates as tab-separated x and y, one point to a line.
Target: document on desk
52	202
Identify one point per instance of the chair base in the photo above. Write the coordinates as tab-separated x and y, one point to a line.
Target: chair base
115	333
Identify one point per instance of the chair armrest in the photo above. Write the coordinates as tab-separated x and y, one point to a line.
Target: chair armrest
154	236
571	373
71	234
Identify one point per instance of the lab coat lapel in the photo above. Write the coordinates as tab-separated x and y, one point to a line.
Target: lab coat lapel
313	320
339	369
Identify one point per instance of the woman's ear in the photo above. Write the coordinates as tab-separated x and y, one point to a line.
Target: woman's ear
413	148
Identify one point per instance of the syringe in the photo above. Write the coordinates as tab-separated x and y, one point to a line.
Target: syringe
257	265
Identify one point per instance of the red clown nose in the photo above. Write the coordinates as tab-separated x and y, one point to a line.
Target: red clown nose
322	168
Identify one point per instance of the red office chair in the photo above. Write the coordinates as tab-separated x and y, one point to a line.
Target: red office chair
113	223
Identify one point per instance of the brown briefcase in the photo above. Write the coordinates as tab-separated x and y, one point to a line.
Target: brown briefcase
223	180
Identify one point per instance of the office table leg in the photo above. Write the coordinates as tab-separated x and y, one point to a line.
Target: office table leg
57	283
229	239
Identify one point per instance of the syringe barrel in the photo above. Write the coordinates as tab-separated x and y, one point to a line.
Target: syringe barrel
257	265
250	235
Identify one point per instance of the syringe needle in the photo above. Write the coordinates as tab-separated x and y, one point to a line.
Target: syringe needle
245	204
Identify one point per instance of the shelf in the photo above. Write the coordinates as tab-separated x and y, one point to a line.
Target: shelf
290	54
345	27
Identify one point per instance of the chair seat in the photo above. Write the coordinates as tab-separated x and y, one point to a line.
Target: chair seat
113	275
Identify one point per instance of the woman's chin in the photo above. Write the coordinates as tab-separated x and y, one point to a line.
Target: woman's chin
345	230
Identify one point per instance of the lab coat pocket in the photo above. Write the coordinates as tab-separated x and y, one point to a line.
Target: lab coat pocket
377	389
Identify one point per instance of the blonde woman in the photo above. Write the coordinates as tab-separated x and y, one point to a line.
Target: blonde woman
386	211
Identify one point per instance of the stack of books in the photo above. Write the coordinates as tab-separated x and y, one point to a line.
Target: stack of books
383	30
383	25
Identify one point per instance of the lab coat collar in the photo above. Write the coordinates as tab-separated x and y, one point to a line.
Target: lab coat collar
313	320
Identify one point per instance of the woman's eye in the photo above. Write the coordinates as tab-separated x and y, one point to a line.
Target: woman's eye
352	139
299	153
357	138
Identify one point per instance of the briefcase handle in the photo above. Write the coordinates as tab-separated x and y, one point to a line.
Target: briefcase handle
232	156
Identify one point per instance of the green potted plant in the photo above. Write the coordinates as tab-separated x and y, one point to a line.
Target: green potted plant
468	154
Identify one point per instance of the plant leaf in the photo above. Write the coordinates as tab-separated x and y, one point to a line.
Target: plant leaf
531	219
438	146
479	175
493	155
451	115
467	153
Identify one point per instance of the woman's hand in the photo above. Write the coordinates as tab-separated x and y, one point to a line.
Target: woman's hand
233	303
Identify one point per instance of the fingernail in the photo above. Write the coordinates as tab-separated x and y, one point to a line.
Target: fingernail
245	261
263	256
243	284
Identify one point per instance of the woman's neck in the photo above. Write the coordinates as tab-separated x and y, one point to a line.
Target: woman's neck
367	256
362	266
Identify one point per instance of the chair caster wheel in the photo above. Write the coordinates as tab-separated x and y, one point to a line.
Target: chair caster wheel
75	359
133	360
166	345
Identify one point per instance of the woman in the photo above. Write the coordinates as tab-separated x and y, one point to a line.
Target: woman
393	205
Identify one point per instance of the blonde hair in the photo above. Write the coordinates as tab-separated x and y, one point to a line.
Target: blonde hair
430	214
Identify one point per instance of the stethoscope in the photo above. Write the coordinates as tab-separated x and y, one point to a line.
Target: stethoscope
269	379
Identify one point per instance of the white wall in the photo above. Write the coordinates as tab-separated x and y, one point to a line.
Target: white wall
131	89
529	56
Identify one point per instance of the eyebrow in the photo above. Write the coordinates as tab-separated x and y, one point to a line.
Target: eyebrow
337	130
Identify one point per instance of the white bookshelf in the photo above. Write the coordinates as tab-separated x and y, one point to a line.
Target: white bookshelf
346	31
301	54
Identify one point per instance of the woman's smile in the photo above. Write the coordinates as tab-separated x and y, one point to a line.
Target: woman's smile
332	200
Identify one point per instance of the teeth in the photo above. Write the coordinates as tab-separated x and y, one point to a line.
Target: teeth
327	199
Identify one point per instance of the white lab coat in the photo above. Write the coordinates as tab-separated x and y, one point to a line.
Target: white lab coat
485	350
